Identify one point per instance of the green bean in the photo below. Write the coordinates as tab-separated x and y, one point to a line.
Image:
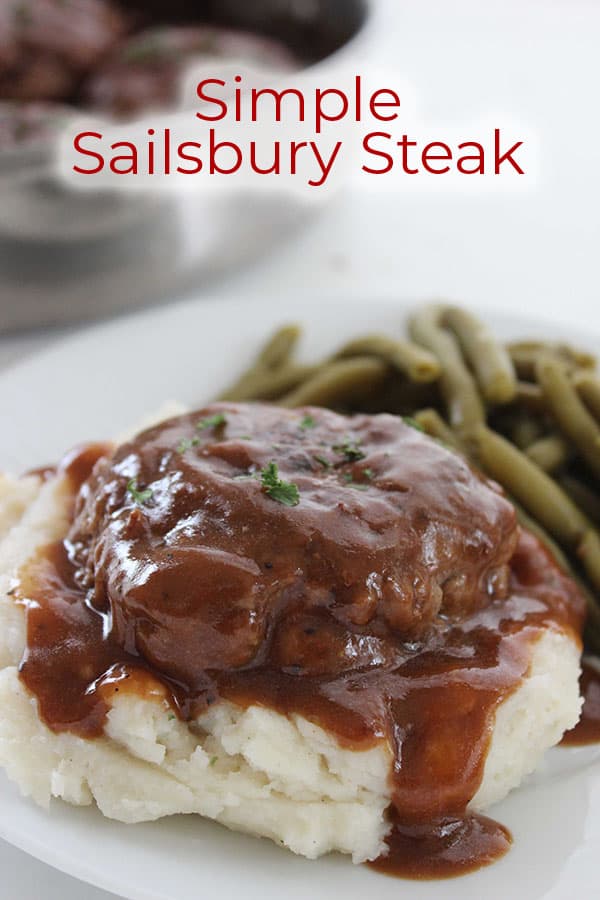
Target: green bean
569	411
338	381
530	396
525	431
585	497
414	361
460	393
524	355
269	385
543	499
489	360
549	453
397	395
524	363
588	387
432	424
278	349
274	355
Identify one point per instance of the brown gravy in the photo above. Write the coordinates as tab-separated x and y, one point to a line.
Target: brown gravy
443	849
587	730
396	600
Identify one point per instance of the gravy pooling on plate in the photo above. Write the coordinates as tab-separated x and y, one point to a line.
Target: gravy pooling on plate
349	569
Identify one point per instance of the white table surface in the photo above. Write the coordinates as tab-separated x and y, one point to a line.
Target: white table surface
536	251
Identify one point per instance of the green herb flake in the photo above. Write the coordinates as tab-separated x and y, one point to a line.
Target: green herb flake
368	473
285	492
213	760
307	422
171	717
216	421
323	462
350	450
354	484
187	444
139	496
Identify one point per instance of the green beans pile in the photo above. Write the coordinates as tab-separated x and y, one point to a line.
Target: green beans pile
527	413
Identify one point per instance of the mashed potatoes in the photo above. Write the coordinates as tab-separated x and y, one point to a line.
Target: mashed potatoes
251	769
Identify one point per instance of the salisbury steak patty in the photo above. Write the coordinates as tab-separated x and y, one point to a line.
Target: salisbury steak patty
203	552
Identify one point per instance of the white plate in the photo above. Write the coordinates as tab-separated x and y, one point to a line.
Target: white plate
92	387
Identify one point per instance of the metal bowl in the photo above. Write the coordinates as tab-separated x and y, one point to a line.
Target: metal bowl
69	255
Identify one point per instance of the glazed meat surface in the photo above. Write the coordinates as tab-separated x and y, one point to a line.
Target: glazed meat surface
183	541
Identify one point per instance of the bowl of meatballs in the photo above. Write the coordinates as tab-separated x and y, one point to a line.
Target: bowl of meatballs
119	60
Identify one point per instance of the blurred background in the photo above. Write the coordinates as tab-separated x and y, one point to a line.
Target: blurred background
67	257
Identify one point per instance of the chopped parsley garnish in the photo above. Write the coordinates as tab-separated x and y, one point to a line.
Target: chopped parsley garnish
307	422
323	462
171	716
368	473
186	444
285	492
352	483
213	760
139	496
350	450
212	422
